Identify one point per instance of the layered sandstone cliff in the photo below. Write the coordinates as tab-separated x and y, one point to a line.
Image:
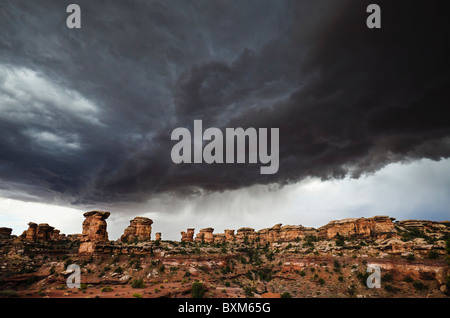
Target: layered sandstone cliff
374	227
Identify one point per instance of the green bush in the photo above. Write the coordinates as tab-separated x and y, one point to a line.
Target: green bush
391	288
136	295
137	283
8	293
387	278
339	240
418	285
286	295
302	273
106	289
433	254
408	279
197	290
118	270
248	291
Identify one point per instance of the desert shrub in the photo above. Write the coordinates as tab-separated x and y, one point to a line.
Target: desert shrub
408	279
363	278
387	278
433	254
391	289
351	289
197	290
286	295
321	281
136	295
118	270
302	273
339	240
410	257
418	285
137	283
8	293
227	284
248	291
106	289
341	279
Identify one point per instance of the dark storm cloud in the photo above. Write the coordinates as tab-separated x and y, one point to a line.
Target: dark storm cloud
347	100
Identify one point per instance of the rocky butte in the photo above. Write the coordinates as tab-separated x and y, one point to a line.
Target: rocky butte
139	230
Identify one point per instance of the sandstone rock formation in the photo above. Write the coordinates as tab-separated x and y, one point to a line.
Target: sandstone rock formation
205	235
158	236
5	232
229	235
219	238
374	227
94	231
40	232
188	236
140	229
435	229
246	234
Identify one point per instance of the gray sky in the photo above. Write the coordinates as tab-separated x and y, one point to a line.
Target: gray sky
86	114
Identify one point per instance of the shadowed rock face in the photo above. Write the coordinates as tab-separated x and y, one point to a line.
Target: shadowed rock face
158	236
140	229
5	232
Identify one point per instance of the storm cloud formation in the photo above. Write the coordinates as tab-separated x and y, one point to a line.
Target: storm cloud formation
86	115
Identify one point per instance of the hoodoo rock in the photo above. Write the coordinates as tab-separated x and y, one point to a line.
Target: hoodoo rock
140	229
205	236
188	236
30	233
158	236
44	232
5	232
94	226
40	232
374	227
94	231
